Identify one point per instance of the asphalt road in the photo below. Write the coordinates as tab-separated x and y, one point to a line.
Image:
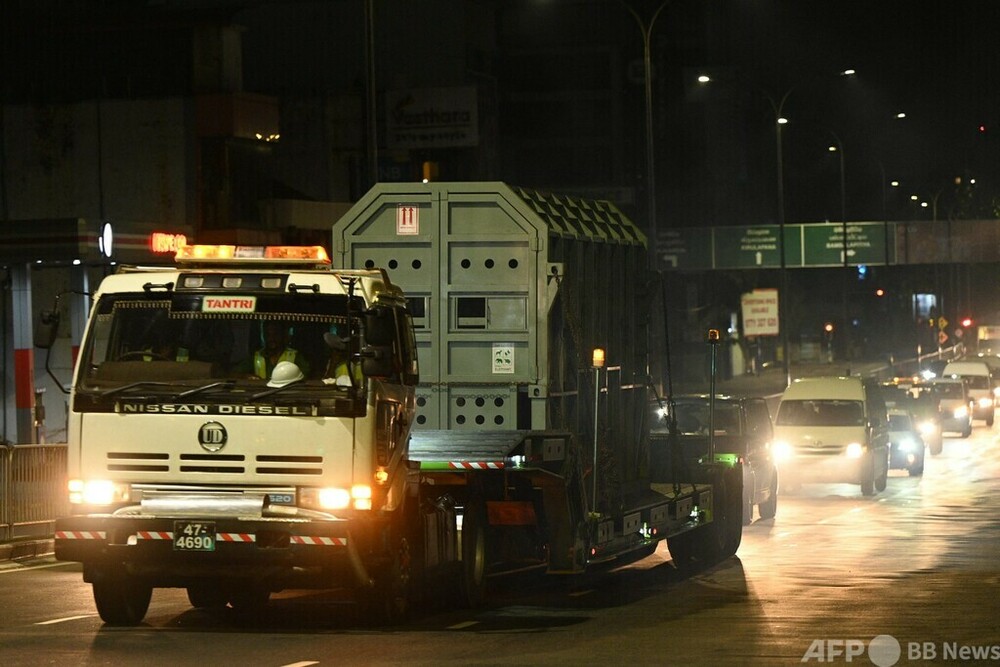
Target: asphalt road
834	575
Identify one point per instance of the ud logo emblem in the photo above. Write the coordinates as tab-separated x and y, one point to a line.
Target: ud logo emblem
212	436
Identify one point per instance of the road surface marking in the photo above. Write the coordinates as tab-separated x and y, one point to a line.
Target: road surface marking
64	620
31	567
462	626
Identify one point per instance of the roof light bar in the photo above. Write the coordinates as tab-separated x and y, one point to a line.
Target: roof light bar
200	253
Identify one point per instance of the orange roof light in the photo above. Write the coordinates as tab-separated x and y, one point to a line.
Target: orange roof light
254	254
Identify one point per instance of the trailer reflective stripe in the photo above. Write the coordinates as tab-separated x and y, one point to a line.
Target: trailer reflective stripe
80	535
235	537
319	540
476	465
154	535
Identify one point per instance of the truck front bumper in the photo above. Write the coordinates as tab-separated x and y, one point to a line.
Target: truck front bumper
306	553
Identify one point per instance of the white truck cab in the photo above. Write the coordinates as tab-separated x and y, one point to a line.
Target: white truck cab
217	443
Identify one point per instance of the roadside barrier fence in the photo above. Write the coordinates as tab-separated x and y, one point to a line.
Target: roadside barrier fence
32	490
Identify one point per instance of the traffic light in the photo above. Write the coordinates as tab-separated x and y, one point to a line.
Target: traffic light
966	322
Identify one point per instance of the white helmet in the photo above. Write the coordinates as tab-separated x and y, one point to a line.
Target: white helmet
285	373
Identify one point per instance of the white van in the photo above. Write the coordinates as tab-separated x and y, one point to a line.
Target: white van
832	429
978	376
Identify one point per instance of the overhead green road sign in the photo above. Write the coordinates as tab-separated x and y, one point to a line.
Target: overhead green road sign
687	248
756	247
823	244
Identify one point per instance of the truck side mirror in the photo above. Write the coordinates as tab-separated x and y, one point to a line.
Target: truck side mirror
47	329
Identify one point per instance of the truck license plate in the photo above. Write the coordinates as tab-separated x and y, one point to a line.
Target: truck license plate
194	536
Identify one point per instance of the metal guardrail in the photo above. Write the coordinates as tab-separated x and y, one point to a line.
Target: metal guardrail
32	490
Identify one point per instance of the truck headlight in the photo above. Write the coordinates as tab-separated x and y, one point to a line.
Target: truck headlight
854	450
96	492
961	412
907	444
358	497
985	402
927	427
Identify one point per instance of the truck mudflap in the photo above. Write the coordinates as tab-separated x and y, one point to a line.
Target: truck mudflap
166	549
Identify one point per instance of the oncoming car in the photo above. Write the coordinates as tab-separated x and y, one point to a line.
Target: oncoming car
906	447
833	430
954	405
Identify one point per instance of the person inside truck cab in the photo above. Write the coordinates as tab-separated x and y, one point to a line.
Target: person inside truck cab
338	370
276	348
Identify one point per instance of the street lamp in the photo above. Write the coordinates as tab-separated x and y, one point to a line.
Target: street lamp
647	30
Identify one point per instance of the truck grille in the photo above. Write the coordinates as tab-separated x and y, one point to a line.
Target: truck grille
264	464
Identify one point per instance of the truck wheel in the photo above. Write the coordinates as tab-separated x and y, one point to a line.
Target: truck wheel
249	598
474	554
989	418
769	507
967	431
388	602
206	596
121	600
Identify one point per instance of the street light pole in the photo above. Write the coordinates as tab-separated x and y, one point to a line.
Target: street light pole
780	120
839	148
646	29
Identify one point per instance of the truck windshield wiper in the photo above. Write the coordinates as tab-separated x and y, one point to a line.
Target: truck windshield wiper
197	390
273	390
131	385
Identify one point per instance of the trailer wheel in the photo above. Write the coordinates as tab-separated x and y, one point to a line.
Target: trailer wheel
121	599
769	507
882	478
474	554
206	596
681	548
936	445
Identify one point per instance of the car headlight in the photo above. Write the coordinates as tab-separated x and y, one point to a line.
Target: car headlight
985	402
781	451
961	412
854	450
907	444
927	427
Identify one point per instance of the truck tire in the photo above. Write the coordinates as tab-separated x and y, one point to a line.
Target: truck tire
967	431
121	599
989	418
249	598
207	596
769	507
388	602
474	553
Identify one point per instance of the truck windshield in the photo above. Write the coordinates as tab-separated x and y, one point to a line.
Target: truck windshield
182	341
